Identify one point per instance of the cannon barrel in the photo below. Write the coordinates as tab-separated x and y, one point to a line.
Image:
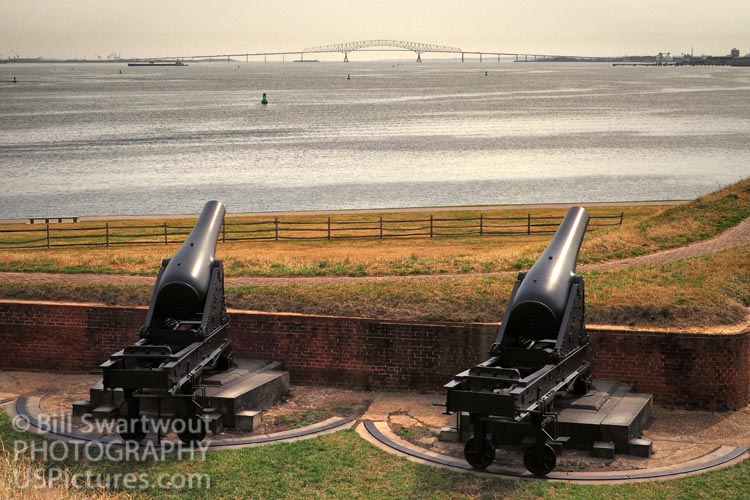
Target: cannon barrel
185	280
539	303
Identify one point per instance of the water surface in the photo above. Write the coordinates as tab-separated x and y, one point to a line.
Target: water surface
87	140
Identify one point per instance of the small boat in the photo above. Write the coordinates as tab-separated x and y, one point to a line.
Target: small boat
154	63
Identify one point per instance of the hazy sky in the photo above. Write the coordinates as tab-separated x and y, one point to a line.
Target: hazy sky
84	28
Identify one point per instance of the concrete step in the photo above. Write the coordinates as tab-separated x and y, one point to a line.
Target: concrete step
242	368
603	449
640	447
247	420
619	420
104	412
255	391
215	422
81	408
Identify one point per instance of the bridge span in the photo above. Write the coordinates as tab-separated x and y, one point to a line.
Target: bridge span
419	48
384	46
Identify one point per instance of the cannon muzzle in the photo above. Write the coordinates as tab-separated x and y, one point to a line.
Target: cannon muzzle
185	281
538	306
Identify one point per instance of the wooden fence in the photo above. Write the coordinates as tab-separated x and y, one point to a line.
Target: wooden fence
276	229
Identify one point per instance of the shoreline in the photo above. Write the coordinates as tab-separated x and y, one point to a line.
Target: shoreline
521	206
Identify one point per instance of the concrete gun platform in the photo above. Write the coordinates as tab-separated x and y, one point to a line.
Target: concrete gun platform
610	412
237	395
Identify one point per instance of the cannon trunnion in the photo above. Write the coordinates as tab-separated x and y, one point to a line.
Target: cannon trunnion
539	353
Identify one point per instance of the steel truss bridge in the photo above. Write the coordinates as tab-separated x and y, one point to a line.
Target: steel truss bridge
417	47
383	46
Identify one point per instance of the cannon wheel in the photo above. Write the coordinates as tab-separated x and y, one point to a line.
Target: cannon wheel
482	458
195	431
540	465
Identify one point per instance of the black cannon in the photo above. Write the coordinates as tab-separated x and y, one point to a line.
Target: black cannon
184	336
539	353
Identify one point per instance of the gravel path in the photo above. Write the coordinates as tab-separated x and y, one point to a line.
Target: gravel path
736	236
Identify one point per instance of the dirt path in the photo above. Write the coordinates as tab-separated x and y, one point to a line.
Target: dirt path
736	236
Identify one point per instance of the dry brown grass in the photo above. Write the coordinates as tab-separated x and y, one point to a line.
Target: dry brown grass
672	227
698	293
704	291
645	230
471	254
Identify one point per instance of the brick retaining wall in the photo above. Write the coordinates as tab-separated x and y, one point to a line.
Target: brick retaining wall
687	370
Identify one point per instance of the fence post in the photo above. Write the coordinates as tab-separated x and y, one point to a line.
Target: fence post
106	234
276	227
47	234
381	227
481	225
223	232
528	224
329	228
622	214
430	226
165	233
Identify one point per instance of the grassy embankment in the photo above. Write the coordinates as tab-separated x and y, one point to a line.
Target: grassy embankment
344	466
703	291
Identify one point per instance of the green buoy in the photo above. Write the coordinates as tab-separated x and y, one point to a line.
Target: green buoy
264	100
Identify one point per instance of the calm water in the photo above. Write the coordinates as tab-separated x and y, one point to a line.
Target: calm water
86	140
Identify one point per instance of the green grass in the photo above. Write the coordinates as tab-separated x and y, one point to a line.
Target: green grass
344	466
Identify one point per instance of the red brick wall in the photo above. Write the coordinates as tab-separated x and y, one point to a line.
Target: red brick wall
689	370
43	336
361	352
686	370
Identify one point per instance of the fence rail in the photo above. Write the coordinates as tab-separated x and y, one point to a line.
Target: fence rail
276	229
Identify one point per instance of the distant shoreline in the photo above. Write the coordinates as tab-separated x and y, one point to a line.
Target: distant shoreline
90	218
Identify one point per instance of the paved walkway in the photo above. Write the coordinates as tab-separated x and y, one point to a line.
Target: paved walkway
736	236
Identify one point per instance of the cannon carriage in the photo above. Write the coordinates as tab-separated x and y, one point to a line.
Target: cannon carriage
538	355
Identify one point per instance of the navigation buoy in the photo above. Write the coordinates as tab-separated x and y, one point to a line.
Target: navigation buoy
264	100
348	76
485	73
120	71
14	80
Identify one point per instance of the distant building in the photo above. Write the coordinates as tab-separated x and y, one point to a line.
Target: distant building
735	53
662	58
